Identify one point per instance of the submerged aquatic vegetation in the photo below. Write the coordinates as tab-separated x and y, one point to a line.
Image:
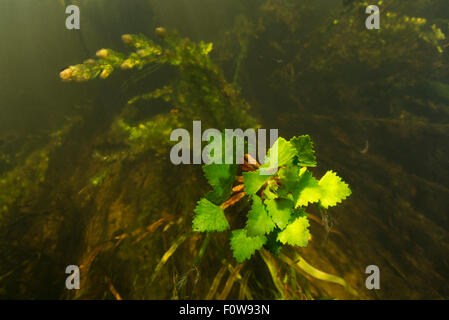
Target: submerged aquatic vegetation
24	179
197	91
200	91
277	216
178	52
108	199
367	71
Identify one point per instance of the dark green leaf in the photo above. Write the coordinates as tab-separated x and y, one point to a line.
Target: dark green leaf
243	246
280	211
259	223
305	153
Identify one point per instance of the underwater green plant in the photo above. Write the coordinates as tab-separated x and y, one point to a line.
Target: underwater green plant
25	178
198	89
277	215
408	50
122	211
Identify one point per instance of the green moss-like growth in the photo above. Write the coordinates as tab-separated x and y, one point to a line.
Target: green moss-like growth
198	91
25	178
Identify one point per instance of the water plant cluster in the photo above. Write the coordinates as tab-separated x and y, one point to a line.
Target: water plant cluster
277	215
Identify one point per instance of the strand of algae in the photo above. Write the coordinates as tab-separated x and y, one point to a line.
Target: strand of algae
244	291
202	250
167	256
230	282
216	282
273	272
301	265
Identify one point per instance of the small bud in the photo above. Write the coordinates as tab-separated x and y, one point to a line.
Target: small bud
90	61
66	75
105	73
161	32
103	53
127	64
127	39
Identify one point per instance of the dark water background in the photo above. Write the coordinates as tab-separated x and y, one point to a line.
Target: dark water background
397	217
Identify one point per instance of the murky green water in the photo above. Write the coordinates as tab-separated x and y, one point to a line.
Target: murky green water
79	187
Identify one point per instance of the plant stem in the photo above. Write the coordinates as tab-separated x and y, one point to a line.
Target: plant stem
202	249
233	200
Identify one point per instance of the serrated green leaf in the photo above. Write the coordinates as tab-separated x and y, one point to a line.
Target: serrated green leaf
243	246
259	223
280	211
299	185
305	154
221	178
209	217
334	190
289	178
219	174
296	233
273	244
253	181
285	154
308	190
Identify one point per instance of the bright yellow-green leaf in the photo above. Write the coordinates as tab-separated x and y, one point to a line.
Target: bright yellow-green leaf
209	217
282	151
308	190
280	211
296	233
244	246
333	189
259	223
299	185
253	181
